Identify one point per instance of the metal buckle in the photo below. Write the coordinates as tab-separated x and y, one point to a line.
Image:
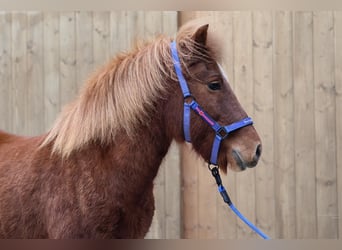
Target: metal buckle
189	99
222	132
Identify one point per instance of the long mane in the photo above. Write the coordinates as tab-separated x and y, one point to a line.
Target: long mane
120	94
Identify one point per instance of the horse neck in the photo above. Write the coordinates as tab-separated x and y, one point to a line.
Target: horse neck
145	151
136	159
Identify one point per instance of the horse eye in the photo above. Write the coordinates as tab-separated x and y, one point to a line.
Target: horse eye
214	85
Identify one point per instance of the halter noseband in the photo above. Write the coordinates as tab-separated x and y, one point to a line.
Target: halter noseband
221	132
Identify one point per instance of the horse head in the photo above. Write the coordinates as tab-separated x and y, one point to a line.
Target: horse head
199	55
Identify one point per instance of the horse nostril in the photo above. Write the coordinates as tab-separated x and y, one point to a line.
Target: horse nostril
258	152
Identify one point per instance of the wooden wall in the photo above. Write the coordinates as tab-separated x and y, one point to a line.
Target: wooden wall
286	69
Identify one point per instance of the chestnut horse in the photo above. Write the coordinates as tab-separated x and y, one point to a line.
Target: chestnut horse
91	175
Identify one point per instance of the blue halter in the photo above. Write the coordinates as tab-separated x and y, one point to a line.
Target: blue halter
221	132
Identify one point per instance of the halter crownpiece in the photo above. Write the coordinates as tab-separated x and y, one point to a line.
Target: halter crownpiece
221	132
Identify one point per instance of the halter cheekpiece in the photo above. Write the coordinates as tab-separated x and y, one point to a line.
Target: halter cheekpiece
221	132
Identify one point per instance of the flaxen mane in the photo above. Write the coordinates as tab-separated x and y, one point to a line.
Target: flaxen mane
119	95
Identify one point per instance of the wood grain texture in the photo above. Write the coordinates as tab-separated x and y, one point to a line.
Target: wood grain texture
190	193
67	56
51	67
325	125
338	82
284	164
264	119
35	79
84	46
19	87
5	71
304	126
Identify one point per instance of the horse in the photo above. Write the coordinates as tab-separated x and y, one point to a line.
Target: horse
91	175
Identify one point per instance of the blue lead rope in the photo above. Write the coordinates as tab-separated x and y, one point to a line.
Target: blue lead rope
225	196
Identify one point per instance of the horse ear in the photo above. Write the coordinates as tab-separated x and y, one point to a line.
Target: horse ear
200	36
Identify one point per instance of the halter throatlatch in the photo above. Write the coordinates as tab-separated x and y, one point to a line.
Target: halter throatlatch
221	132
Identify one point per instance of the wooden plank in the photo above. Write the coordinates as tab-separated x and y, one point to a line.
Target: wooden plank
207	206
284	164
338	82
226	220
304	134
118	28
101	36
158	224
325	127
243	78
135	27
170	21
19	88
190	193
35	79
5	70
153	23
84	46
185	16
67	64
172	194
263	117
51	67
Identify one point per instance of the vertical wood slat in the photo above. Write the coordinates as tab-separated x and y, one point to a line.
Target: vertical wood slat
19	88
101	38
67	54
35	80
226	220
118	27
325	125
304	126
284	126
244	90
190	193
51	67
172	177
84	46
338	82
5	70
263	117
